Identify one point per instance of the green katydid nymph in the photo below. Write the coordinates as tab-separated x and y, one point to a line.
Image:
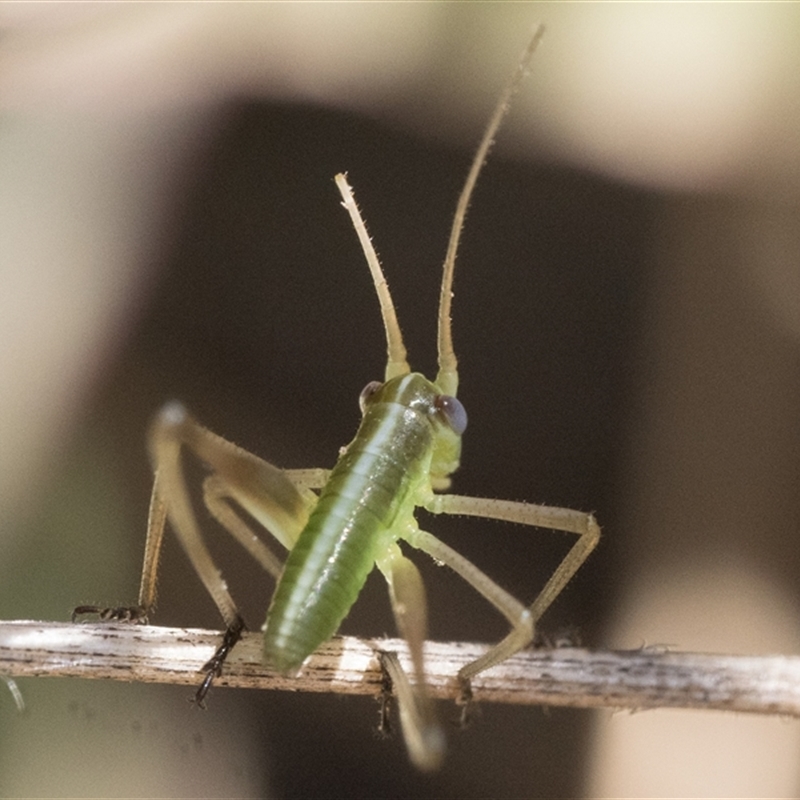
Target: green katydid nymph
338	524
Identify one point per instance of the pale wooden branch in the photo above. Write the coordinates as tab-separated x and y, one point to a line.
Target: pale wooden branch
631	679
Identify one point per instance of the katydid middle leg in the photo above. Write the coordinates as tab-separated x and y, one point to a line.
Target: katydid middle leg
522	618
423	736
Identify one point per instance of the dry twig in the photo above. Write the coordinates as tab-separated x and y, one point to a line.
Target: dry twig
632	679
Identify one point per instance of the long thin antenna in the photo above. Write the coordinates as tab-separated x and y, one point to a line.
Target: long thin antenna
396	363
447	379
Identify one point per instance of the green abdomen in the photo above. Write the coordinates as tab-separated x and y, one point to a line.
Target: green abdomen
353	520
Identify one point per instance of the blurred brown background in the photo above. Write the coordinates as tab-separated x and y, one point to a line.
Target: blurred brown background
626	317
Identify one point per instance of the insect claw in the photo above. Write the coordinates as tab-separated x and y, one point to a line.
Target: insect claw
213	667
80	610
386	699
465	700
199	698
135	614
385	728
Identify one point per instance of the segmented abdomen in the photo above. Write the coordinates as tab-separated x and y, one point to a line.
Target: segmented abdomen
371	486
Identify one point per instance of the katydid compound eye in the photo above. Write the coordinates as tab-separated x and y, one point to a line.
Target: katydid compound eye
452	410
367	393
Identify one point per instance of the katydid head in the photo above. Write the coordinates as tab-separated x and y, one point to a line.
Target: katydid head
422	407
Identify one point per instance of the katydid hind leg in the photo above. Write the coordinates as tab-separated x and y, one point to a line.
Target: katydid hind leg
425	743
